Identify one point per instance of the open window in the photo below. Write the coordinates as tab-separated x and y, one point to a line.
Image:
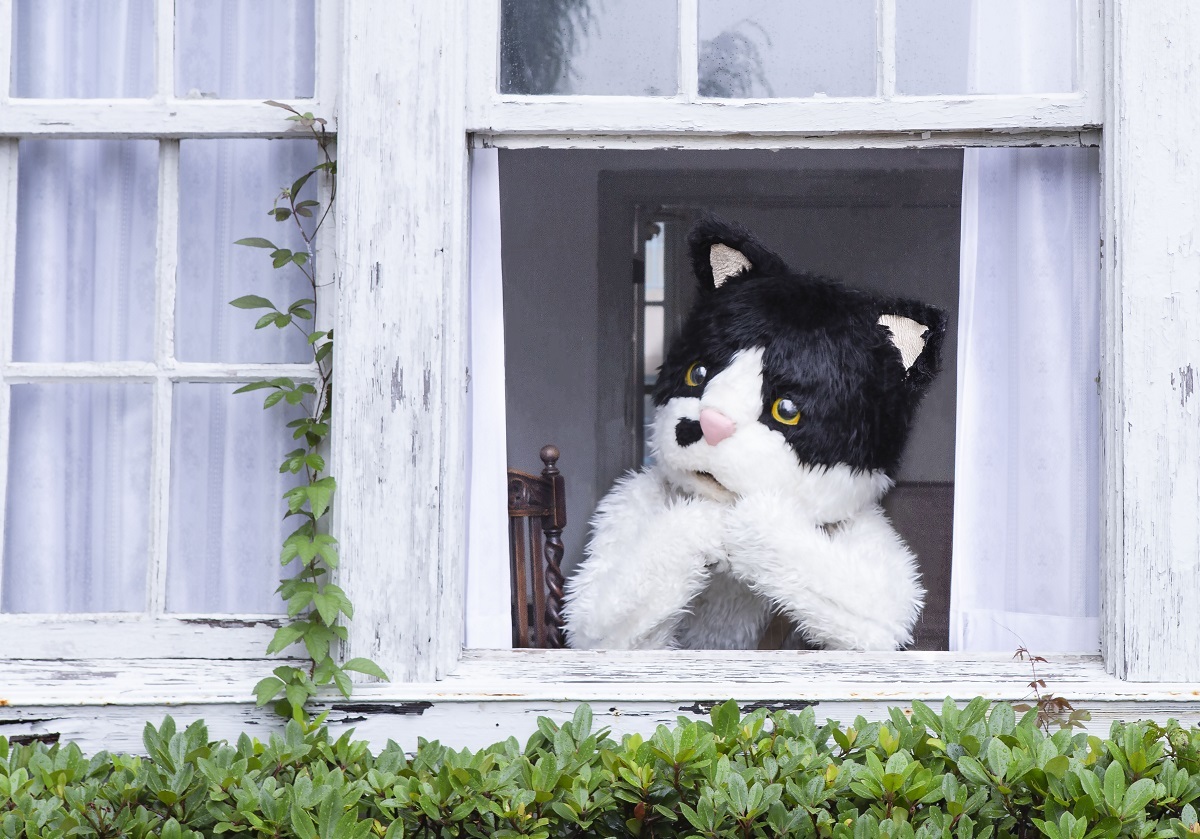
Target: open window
595	280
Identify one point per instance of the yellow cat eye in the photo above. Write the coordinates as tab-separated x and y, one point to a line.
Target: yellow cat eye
785	411
696	375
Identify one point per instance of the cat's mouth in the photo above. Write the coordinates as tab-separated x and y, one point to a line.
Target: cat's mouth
708	478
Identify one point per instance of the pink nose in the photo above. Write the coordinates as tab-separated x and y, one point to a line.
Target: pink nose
715	425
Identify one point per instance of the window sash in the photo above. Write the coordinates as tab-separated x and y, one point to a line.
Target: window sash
504	118
168	119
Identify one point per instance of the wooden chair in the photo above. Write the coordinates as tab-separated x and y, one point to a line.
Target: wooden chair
537	513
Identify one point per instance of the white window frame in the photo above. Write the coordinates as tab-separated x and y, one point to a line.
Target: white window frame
1117	57
411	112
153	634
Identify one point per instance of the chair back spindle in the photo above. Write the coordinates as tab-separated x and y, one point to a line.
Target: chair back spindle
537	514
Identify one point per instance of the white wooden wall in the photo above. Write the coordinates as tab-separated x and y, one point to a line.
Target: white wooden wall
402	333
494	695
402	378
1152	355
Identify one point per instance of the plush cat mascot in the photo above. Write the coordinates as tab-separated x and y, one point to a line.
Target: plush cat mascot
781	413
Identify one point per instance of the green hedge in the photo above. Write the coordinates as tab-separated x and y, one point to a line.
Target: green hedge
970	772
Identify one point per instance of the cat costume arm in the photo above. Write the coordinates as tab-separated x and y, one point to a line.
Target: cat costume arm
650	555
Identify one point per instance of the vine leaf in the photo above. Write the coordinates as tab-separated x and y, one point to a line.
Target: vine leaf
252	301
299	183
285	636
366	667
267	689
256	242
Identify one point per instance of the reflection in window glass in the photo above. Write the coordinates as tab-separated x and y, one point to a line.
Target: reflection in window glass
77	523
225	501
763	48
588	47
245	49
69	49
985	46
86	248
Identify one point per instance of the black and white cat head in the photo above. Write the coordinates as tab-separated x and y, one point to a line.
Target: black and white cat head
784	380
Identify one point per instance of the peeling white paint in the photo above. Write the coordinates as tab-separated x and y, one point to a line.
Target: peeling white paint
401	318
1152	441
401	333
496	694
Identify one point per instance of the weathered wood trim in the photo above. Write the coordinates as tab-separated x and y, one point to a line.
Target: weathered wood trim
673	115
1152	437
401	333
496	694
885	46
866	140
1112	390
575	675
166	263
151	118
328	58
146	371
474	723
76	640
164	48
1091	51
483	66
8	280
689	50
6	26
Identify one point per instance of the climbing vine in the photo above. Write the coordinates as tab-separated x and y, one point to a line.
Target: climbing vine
317	608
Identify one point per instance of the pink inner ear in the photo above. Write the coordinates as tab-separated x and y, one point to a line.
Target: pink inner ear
726	262
907	335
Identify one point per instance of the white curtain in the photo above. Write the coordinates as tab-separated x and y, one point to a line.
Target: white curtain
77	525
488	614
1026	528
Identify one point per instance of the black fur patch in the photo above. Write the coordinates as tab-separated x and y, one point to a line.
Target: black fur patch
688	431
822	347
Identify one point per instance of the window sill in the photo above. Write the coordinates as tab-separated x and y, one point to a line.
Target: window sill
496	693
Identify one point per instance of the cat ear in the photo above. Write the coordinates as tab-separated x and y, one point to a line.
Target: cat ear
906	335
725	262
916	331
722	252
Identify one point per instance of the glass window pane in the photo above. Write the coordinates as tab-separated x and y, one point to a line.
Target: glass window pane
226	188
985	46
764	48
227	525
76	536
652	349
586	46
68	49
86	222
655	269
245	49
